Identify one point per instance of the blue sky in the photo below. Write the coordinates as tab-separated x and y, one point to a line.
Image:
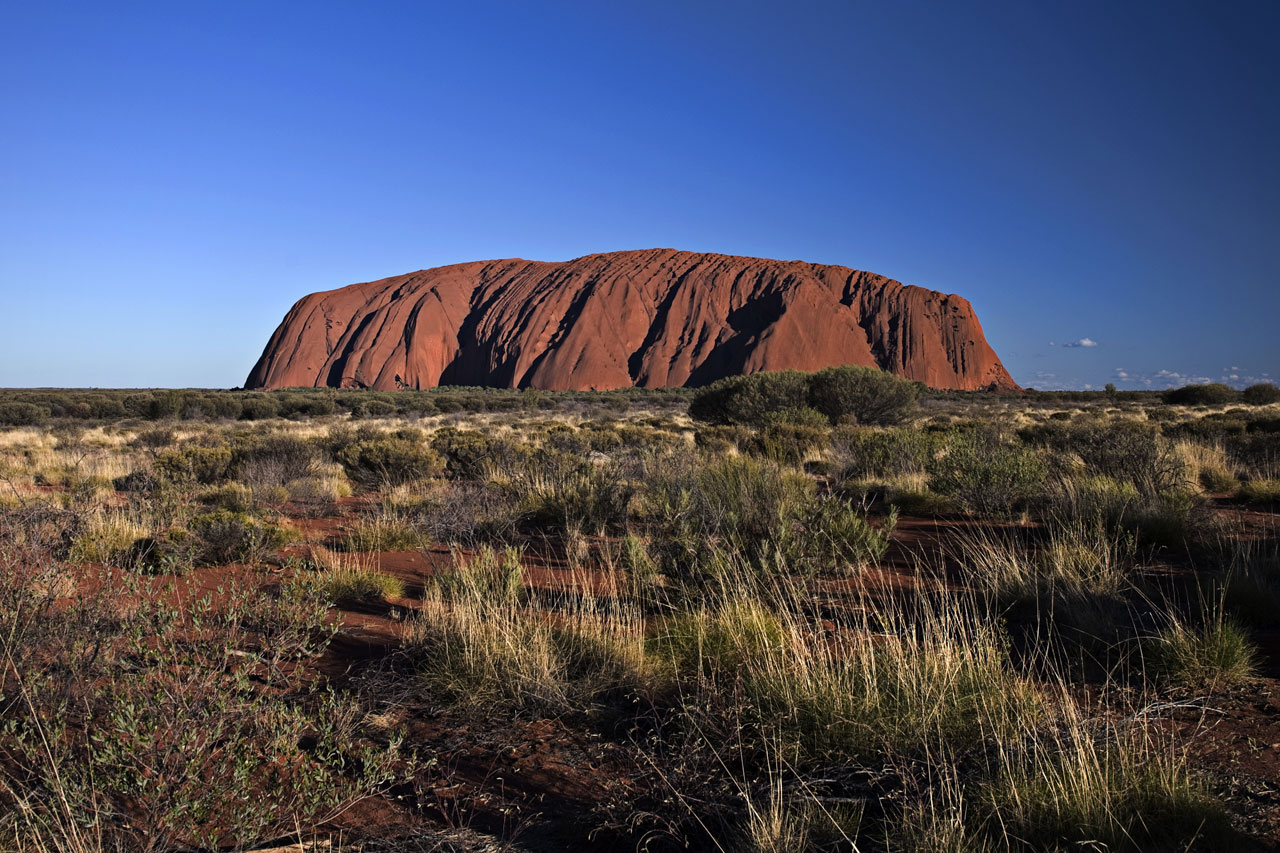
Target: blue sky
174	176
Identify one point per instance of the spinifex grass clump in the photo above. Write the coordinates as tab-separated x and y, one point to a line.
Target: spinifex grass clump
387	529
1210	652
762	516
1077	561
1121	788
896	685
350	579
473	643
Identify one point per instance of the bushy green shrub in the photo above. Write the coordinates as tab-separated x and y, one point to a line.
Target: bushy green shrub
986	475
864	395
740	504
750	399
467	453
722	438
1261	394
233	497
195	463
232	537
1125	450
886	453
1211	394
838	538
273	460
787	442
258	407
561	490
22	414
389	460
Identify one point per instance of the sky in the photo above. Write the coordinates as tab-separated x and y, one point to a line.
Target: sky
1101	180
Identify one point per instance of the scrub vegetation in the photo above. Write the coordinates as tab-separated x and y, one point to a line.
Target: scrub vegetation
786	612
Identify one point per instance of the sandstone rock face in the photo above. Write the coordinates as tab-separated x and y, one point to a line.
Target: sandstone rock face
655	318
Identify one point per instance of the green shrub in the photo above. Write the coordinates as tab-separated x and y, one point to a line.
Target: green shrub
1212	394
195	463
468	453
860	452
567	490
747	506
1124	450
987	476
750	399
273	460
22	414
233	497
258	407
838	538
722	438
233	537
863	395
389	460
786	442
1261	394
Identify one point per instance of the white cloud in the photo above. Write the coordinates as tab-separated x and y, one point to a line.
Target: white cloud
1083	342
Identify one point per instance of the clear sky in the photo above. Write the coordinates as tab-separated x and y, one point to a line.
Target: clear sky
1100	179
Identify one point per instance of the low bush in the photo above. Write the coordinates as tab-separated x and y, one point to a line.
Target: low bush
192	463
22	414
1211	394
750	399
863	395
468	454
273	460
786	442
863	452
746	506
233	497
1261	394
234	537
563	490
389	460
986	475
